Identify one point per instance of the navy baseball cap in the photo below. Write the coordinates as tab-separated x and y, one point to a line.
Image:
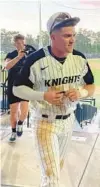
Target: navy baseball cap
61	19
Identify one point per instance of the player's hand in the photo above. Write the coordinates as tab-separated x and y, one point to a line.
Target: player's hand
73	94
54	97
21	54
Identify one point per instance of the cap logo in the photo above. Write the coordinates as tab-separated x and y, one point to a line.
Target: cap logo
60	17
63	16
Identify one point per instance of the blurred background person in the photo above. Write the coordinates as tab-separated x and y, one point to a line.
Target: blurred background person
14	61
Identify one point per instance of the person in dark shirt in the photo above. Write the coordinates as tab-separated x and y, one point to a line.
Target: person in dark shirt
14	61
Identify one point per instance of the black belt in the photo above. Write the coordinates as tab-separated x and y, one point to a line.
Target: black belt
57	117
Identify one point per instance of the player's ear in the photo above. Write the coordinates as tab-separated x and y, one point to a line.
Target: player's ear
52	36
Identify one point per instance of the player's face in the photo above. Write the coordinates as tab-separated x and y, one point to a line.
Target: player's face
64	39
19	44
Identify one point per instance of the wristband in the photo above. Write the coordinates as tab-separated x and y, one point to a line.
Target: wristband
83	92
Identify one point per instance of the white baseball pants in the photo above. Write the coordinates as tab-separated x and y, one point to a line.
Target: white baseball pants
52	140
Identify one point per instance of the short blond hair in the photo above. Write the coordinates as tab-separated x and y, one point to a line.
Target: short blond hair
18	37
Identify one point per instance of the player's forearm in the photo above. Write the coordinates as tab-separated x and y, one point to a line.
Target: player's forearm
11	63
90	90
27	93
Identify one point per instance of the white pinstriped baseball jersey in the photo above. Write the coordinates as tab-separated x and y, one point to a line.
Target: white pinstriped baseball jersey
44	71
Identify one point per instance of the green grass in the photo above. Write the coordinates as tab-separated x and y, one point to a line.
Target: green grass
97	60
2	57
98	103
96	73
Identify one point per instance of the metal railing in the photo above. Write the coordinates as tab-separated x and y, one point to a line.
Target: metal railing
4	106
86	110
3	85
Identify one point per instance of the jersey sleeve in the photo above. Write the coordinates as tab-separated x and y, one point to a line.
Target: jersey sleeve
88	77
9	55
24	83
26	75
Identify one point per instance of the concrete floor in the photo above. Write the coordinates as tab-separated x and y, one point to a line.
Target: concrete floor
20	168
